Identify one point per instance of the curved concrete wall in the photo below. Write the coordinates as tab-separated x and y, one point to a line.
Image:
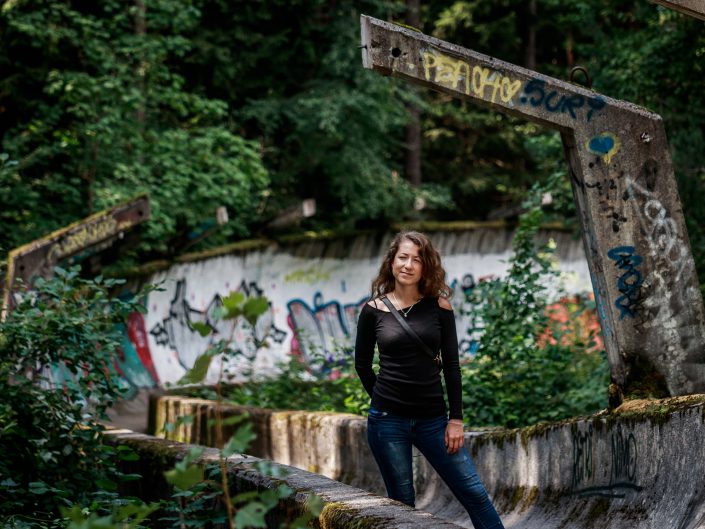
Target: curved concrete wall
345	507
315	286
637	469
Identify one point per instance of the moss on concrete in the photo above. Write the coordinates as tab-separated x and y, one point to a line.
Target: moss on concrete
597	510
340	516
517	497
656	411
530	499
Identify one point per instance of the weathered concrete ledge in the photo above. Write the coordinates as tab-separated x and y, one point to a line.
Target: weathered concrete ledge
641	467
345	507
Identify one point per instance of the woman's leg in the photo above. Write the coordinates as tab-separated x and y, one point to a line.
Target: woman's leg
458	472
390	441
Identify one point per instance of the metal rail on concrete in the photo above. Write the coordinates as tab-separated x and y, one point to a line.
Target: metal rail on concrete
636	244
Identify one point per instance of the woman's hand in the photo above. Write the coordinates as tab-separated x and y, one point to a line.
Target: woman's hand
454	435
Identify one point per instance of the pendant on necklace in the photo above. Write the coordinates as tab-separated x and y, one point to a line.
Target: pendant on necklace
405	313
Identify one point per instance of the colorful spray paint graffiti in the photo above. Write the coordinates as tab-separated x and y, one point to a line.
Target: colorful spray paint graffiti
176	331
314	306
324	329
536	94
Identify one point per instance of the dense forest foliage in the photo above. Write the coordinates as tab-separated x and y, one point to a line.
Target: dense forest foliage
258	105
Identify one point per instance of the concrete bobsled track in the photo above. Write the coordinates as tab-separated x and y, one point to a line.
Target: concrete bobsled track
641	467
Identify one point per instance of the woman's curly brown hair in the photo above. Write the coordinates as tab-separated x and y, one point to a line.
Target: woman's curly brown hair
433	275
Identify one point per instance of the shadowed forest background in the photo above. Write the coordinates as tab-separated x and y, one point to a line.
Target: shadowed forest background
258	105
255	106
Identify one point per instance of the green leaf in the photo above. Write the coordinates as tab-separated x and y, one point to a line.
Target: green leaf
251	515
232	303
239	442
201	328
199	370
129	456
184	478
38	487
254	308
107	484
235	419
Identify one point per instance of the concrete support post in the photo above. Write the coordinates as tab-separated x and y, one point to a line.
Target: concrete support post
693	8
637	247
92	234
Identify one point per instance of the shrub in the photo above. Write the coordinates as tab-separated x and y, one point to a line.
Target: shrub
56	380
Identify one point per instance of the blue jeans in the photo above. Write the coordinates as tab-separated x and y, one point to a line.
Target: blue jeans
391	437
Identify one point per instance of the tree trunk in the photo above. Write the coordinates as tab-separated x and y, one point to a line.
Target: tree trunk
530	43
413	128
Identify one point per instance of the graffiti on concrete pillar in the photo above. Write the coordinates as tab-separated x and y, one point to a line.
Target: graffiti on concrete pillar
629	283
176	330
662	233
605	145
536	95
489	85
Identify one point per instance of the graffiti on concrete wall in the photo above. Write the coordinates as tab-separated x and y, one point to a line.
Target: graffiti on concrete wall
582	458
624	459
176	330
323	329
468	332
314	306
622	477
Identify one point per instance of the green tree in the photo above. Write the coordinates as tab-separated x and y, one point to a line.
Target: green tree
524	370
100	114
330	129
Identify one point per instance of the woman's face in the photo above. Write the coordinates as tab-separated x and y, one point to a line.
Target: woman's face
407	268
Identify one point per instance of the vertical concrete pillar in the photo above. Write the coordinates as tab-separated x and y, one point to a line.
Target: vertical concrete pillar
637	247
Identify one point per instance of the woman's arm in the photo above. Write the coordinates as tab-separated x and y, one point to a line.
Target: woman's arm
451	362
365	348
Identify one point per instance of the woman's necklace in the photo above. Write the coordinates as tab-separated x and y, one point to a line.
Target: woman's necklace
405	312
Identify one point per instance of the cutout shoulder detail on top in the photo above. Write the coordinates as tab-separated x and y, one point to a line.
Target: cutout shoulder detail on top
445	304
373	303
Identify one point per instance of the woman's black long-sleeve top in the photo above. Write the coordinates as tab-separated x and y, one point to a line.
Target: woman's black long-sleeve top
409	382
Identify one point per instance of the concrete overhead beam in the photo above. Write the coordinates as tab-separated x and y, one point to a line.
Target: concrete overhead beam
635	239
693	8
92	234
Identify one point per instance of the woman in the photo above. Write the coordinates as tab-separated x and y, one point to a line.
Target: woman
408	407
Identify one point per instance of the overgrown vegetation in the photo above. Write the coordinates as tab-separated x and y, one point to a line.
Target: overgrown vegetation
530	365
327	385
56	381
201	488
